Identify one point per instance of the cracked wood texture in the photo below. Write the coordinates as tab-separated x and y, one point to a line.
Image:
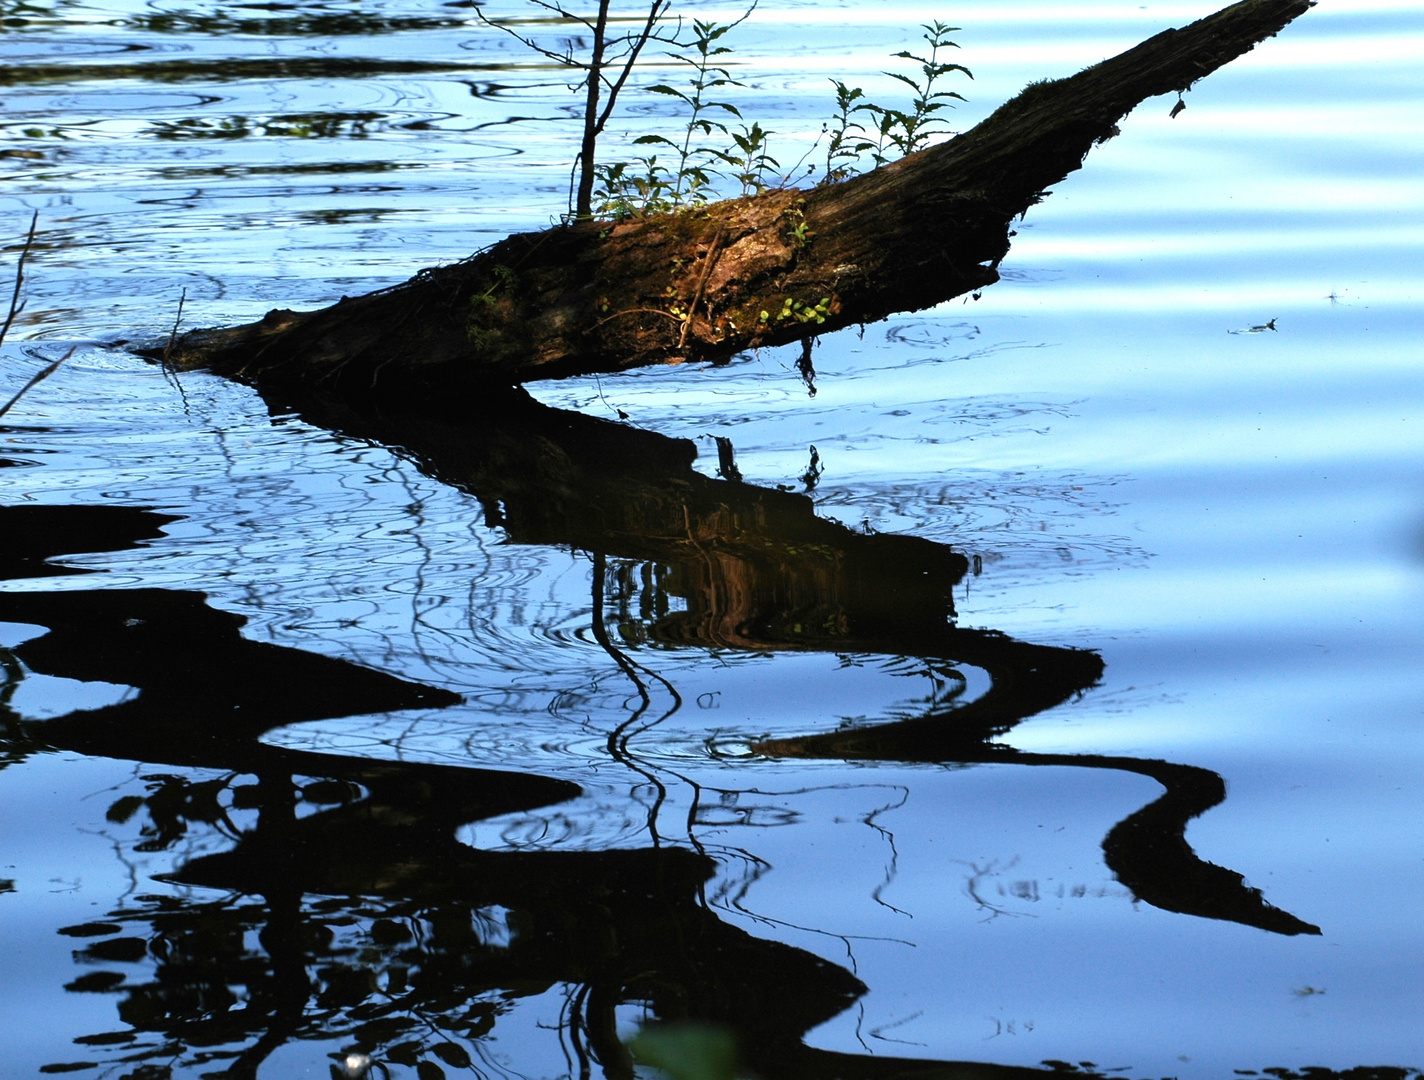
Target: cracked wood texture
605	296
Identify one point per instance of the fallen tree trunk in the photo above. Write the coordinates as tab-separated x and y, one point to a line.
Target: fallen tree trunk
705	284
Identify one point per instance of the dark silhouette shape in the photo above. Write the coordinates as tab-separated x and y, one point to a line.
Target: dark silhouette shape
204	690
756	569
33	534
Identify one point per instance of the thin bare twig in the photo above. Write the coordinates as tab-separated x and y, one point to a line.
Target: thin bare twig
563	13
565	58
656	12
168	349
44	374
635	311
712	253
16	304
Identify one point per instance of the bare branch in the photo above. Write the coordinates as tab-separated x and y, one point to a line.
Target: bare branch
630	55
583	201
44	374
168	349
655	12
564	59
16	304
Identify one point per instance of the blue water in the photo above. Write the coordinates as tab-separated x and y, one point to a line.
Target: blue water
1231	519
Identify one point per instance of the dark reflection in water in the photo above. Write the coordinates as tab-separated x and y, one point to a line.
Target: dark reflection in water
758	570
34	534
231	69
281	19
352	913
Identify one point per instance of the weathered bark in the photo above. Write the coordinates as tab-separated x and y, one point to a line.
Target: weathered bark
764	270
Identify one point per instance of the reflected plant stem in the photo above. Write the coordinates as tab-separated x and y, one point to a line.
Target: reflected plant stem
565	1025
978	874
16	304
11	675
892	869
282	936
806	368
601	1026
576	1009
619	736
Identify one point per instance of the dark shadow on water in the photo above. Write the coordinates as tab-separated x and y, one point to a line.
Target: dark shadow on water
757	570
349	911
34	534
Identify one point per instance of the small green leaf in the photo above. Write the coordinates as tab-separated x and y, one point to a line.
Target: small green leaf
687	1051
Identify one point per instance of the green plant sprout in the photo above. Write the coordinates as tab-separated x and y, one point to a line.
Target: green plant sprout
793	310
608	52
845	139
692	180
707	153
484	302
910	131
750	159
624	194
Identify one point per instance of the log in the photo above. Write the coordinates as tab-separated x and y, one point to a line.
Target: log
706	284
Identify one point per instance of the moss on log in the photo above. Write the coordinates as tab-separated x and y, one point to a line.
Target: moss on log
705	284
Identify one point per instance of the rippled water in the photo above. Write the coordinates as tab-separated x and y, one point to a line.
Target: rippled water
443	743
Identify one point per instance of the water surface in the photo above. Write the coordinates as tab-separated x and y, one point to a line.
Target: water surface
472	742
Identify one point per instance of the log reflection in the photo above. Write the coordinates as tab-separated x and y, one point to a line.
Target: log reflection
757	570
352	913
